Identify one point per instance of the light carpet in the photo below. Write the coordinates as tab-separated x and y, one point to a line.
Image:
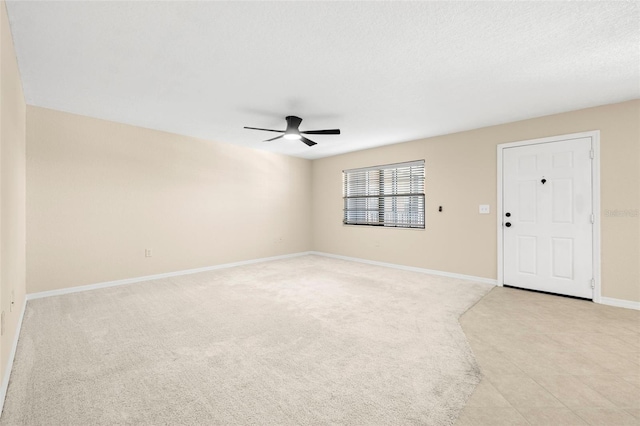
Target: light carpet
303	341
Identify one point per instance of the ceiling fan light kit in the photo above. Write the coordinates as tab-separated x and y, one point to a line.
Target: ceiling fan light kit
293	131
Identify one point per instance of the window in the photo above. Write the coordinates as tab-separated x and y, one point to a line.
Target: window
391	195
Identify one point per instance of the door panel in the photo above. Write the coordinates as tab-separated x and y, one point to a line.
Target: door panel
527	249
527	202
562	258
547	191
561	200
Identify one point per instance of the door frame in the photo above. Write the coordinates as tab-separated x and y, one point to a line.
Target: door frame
595	188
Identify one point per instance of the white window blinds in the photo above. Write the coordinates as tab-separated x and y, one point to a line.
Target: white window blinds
390	195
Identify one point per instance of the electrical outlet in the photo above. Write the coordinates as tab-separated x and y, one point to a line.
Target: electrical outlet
484	209
148	253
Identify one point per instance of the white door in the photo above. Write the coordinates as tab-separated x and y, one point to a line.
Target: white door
548	217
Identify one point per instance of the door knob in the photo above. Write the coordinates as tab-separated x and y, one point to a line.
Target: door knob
508	224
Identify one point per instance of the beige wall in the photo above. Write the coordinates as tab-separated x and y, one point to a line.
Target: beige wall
461	174
12	190
99	193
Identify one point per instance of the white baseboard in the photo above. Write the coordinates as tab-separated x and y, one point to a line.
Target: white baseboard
410	268
7	372
68	290
620	303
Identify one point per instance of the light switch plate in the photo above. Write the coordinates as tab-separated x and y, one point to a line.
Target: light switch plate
484	209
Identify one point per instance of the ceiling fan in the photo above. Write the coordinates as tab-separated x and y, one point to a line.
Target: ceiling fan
293	132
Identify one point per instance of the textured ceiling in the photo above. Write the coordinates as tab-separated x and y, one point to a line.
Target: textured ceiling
382	72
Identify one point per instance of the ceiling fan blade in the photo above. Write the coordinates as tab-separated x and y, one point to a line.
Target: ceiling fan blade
322	132
293	122
307	141
266	130
273	139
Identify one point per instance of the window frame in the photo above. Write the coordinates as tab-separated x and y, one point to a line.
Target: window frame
387	204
